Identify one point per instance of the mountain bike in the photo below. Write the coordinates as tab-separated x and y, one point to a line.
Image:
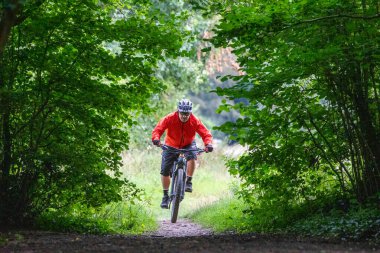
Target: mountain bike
178	175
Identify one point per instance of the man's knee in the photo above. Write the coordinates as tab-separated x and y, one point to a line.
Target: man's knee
165	172
191	163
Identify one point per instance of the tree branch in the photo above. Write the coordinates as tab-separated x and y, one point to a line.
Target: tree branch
338	16
12	16
26	14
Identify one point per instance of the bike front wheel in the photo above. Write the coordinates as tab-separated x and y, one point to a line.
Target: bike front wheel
178	185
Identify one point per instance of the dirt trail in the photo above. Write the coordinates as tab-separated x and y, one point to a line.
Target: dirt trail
183	236
182	228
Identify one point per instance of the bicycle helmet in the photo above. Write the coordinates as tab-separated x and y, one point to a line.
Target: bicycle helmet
185	105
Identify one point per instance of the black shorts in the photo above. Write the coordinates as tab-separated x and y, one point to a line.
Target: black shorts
168	158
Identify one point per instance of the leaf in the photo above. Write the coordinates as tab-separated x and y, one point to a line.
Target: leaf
206	49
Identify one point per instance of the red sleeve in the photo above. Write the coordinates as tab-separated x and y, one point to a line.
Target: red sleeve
160	128
204	133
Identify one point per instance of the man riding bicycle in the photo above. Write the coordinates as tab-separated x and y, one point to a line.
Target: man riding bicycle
181	127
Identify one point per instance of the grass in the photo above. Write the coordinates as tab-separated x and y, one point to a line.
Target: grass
211	180
212	203
211	183
225	215
360	223
119	218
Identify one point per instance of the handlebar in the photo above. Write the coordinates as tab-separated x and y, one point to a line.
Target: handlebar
181	150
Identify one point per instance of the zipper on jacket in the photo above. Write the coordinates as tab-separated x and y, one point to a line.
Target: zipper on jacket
182	136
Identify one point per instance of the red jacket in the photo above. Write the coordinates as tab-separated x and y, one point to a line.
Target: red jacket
180	134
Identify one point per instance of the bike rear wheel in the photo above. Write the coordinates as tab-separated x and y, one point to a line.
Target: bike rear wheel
178	186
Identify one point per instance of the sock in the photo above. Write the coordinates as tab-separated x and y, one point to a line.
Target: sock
188	179
166	192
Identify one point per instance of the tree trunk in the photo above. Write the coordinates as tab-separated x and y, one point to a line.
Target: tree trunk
7	145
9	18
370	139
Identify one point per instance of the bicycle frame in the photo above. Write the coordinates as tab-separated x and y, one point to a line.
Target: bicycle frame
181	163
178	182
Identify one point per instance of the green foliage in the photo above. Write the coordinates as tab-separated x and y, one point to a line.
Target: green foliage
285	166
73	76
358	224
308	100
64	222
3	240
329	222
180	77
120	218
222	216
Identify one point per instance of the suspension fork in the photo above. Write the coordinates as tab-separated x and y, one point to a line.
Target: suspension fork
180	163
183	164
173	175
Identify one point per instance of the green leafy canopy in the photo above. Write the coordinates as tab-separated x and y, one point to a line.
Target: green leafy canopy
308	97
73	74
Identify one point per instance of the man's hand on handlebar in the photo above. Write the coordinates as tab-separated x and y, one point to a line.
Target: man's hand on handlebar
209	148
156	143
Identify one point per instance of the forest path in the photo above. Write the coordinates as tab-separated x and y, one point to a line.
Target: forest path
183	236
182	228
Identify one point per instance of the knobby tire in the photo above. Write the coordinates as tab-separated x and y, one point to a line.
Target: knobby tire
178	186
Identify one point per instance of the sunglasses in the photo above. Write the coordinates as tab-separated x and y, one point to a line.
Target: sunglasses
185	113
